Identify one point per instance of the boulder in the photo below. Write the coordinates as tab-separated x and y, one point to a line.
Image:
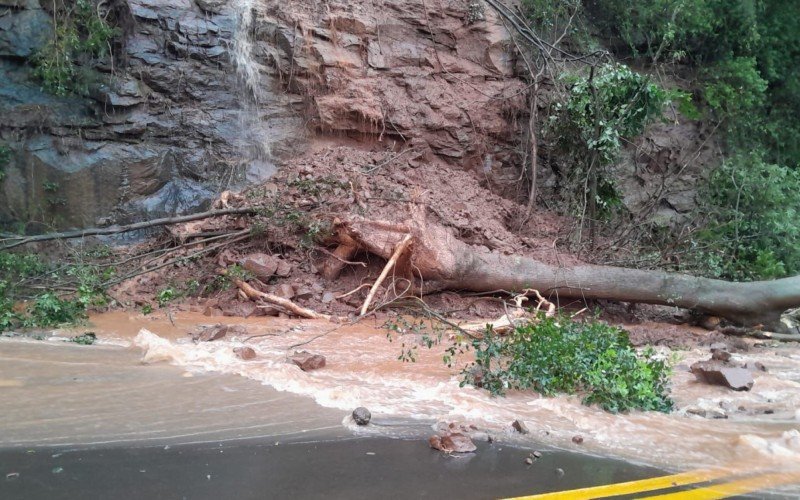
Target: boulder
452	443
520	427
210	333
716	373
361	416
211	6
307	361
244	353
262	266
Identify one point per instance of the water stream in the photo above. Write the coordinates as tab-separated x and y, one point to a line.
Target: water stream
363	370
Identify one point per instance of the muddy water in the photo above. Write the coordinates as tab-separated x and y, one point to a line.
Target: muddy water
363	370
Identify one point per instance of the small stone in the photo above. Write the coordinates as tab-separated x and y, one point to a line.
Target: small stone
12	475
284	290
362	416
720	355
577	439
212	311
529	461
245	353
328	297
537	454
559	472
435	442
520	427
307	361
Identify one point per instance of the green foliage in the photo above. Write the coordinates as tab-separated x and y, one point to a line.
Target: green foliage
163	297
50	310
558	355
589	126
5	158
735	86
754	226
80	36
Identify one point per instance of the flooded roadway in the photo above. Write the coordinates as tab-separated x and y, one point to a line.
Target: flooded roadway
184	395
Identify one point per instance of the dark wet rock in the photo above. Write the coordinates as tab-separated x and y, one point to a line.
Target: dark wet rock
577	439
520	427
211	6
245	353
361	416
24	32
120	92
210	333
453	443
307	361
716	373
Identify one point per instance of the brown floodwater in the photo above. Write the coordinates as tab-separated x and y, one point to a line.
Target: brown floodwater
156	359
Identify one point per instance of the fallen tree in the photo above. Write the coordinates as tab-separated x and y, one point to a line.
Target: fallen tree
436	260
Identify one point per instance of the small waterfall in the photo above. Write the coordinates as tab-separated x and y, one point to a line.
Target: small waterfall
256	151
242	54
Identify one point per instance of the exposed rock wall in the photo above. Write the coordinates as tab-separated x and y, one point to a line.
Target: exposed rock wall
435	75
196	99
167	129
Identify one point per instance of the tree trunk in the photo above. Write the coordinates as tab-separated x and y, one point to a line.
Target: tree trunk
438	260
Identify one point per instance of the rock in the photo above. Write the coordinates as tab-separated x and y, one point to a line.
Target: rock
284	269
720	351
245	353
210	333
706	412
709	322
520	427
715	373
328	297
528	461
577	439
475	375
435	442
537	454
284	290
211	6
457	443
307	361
241	309
262	266
24	32
362	416
212	311
559	472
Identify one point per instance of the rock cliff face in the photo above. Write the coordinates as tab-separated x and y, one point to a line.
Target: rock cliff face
208	94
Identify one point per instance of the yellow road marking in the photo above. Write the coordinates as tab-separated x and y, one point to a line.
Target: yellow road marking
726	490
655	483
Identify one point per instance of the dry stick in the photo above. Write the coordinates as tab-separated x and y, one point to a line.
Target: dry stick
351	292
97	231
287	304
389	265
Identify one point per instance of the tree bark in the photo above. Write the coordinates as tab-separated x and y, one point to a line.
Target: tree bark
439	260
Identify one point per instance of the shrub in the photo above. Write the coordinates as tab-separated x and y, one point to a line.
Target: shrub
558	355
80	36
753	231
